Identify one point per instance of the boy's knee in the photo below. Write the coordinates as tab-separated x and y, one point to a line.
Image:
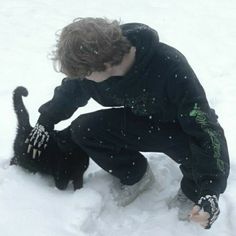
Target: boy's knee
82	127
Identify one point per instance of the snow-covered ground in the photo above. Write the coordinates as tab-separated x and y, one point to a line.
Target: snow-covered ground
205	31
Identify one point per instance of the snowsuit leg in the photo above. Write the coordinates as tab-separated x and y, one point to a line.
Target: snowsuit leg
102	135
114	138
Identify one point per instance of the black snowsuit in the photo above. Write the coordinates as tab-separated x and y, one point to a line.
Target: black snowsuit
160	107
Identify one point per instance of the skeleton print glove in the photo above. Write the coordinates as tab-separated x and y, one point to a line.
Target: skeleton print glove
206	211
38	140
210	205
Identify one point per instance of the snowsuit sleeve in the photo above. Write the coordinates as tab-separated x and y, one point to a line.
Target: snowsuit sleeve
210	161
66	99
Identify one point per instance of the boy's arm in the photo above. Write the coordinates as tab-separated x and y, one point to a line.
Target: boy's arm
66	99
208	145
210	161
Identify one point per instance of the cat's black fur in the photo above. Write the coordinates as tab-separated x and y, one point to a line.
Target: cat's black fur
62	159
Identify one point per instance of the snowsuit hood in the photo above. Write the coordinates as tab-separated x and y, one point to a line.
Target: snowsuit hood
145	39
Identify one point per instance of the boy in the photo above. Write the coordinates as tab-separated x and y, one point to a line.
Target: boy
160	107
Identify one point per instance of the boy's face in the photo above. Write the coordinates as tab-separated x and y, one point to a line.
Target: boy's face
98	76
114	70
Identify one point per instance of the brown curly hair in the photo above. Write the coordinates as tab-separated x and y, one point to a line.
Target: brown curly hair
86	44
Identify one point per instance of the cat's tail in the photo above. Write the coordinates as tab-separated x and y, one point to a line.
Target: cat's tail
19	107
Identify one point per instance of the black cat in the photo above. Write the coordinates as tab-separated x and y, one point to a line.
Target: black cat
62	159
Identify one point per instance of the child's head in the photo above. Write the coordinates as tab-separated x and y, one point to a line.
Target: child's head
86	44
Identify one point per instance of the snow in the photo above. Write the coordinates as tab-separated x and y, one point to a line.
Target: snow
204	31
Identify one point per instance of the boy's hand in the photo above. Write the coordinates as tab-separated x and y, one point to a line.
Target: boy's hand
206	211
38	140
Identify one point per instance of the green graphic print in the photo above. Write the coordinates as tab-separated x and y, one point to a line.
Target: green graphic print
201	119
